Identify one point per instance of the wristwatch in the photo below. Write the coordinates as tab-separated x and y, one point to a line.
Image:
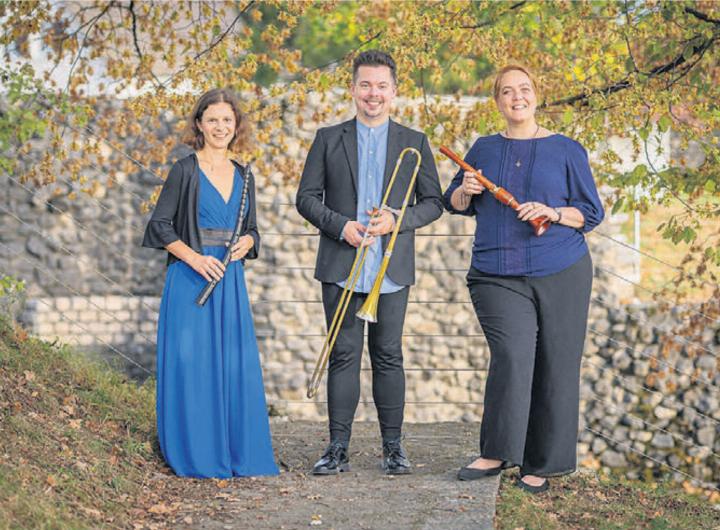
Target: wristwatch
559	212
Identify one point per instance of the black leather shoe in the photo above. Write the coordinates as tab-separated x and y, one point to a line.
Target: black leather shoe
532	489
471	473
395	460
333	461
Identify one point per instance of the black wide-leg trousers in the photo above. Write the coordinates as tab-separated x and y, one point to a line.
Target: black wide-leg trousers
385	347
535	328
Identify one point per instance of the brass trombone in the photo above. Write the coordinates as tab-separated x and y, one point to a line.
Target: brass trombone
368	311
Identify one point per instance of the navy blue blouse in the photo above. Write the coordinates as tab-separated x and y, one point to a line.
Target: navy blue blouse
554	171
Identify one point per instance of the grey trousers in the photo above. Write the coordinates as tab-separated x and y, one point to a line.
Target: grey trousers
535	327
385	347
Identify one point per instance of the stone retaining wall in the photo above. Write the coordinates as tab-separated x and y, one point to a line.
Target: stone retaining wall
638	396
89	282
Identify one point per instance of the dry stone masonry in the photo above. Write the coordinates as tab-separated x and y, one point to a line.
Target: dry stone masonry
90	283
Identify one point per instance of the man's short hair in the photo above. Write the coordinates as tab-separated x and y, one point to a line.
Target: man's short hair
374	58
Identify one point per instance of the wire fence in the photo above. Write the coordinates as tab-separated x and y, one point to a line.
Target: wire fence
622	381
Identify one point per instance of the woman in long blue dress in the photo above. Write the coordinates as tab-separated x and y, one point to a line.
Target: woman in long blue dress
211	413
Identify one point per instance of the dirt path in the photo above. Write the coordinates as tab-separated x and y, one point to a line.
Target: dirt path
430	498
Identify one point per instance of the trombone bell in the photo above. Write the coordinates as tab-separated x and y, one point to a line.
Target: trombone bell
368	311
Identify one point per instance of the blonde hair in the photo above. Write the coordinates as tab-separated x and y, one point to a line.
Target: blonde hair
509	68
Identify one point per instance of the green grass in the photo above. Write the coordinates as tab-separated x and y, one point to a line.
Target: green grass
76	438
585	501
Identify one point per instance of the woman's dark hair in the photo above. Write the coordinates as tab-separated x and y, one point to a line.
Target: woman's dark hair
193	136
374	58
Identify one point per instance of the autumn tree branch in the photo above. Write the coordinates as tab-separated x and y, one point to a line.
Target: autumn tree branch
702	16
133	16
346	55
486	23
697	51
212	45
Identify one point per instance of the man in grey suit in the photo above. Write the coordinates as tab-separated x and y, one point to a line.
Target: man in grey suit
346	174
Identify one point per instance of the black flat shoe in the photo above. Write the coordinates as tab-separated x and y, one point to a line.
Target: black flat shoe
472	473
395	461
335	460
532	489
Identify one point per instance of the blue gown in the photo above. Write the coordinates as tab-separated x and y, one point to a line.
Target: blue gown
211	414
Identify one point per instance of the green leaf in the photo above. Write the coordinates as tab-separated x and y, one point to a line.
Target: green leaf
688	234
664	123
567	117
688	52
618	205
640	171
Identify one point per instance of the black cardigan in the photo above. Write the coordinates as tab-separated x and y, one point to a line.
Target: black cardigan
176	211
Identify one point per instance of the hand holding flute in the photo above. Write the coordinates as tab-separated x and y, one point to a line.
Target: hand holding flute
539	224
471	185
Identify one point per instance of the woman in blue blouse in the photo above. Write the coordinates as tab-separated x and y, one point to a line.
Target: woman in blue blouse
211	414
531	294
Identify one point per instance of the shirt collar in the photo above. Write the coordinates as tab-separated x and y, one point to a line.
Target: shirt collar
379	129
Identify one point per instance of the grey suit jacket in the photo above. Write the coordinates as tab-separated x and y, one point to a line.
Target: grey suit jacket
327	197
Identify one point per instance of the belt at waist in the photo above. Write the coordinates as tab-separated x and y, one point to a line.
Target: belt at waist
215	237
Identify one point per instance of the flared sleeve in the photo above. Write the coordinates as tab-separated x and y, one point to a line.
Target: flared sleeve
160	230
583	193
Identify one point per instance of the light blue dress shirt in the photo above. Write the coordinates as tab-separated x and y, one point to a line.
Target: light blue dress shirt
372	152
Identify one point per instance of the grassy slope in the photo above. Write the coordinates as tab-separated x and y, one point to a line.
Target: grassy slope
75	438
585	502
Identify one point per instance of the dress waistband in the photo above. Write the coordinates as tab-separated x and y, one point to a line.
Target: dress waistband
215	237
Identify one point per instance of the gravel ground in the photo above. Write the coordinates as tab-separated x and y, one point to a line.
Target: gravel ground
430	498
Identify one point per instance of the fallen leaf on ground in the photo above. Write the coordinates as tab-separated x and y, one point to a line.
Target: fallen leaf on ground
161	508
20	334
92	512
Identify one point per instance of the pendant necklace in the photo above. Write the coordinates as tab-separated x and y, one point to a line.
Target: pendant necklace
507	134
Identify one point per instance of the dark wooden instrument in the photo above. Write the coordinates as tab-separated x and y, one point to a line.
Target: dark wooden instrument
539	224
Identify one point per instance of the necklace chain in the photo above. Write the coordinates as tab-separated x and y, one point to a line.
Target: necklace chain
518	163
537	130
